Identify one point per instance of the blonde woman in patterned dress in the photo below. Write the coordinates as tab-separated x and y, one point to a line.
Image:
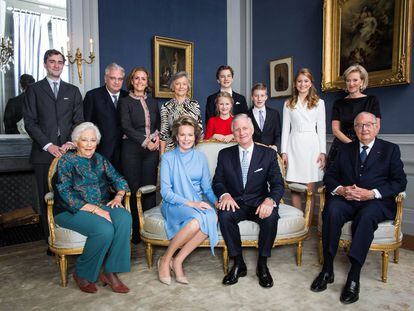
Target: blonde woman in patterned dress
180	105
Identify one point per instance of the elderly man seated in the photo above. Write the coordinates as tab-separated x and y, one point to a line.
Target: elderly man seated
362	183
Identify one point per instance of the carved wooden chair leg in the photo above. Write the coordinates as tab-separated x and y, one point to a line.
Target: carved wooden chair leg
225	260
397	255
384	266
149	254
63	267
299	254
320	251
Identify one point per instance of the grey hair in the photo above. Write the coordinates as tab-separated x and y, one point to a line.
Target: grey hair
177	76
241	116
79	129
114	66
365	113
362	72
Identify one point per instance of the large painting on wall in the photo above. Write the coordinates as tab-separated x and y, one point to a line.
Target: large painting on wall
374	33
170	56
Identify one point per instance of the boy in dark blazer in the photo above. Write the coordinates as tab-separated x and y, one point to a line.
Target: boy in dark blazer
224	76
266	120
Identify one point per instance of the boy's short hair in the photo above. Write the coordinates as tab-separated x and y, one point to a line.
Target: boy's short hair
259	86
224	67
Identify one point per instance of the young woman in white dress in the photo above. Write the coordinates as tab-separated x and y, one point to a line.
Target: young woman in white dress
303	135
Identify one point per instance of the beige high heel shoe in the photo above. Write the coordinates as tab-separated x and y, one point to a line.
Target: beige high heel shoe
165	280
180	279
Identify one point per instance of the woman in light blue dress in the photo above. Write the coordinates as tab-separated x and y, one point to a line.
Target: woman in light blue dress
188	200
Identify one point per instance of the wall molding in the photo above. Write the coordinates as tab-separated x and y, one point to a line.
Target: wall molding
83	24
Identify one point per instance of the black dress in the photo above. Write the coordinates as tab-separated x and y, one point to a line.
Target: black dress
345	110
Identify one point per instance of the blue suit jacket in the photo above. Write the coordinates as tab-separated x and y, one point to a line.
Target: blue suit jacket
383	170
263	179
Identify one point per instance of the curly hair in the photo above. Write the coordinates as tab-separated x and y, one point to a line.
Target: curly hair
186	120
312	98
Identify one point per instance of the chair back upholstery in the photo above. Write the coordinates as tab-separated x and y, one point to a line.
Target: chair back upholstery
211	149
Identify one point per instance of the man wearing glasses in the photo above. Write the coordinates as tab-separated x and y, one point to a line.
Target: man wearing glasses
100	107
361	185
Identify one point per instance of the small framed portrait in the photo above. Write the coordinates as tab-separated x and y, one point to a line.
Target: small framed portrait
376	34
281	76
171	56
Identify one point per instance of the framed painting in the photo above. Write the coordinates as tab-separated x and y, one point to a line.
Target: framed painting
171	56
281	76
376	34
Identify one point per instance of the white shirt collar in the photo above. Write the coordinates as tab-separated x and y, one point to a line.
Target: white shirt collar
369	145
229	91
255	109
112	94
250	149
51	81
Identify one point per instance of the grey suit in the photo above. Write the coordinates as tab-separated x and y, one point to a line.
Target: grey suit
49	120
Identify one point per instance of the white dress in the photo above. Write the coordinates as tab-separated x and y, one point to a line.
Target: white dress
303	139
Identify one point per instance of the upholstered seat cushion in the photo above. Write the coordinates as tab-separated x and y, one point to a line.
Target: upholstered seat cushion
383	235
65	238
291	224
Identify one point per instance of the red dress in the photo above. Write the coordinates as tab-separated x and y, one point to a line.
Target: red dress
216	125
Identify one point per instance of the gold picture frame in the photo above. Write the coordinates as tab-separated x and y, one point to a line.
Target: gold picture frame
374	33
171	56
281	77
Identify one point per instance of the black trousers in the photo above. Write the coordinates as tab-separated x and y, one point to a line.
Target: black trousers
229	220
41	172
365	217
140	168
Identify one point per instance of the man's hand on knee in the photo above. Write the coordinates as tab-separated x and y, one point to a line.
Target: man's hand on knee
265	209
227	202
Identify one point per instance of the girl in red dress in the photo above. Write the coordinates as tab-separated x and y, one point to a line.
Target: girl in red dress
219	127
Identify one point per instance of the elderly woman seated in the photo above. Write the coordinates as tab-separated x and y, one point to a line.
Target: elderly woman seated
84	204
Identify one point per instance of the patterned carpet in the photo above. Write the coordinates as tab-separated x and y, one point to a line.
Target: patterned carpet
30	281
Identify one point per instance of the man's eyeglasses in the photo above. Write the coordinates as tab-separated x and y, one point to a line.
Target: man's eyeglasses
368	126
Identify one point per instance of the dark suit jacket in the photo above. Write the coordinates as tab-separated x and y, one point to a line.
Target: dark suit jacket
383	170
45	117
13	114
271	130
263	179
98	107
240	105
133	118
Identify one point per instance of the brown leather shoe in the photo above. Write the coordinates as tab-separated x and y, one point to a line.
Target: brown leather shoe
114	282
84	285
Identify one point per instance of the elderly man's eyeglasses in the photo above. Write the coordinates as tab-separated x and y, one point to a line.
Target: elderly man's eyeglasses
368	126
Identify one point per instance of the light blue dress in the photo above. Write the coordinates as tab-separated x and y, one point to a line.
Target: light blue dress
185	177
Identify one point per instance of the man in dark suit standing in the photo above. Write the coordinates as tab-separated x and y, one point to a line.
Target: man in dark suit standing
224	76
362	184
100	107
52	108
249	186
14	108
266	121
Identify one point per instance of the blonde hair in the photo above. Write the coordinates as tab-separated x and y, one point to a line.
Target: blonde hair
312	98
225	95
362	73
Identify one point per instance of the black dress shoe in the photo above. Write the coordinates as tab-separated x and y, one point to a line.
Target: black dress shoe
319	284
350	293
237	271
265	278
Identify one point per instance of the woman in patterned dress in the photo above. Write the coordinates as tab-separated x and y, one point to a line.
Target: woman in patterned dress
180	105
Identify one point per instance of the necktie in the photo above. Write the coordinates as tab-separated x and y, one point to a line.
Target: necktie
115	100
363	155
244	167
261	120
55	89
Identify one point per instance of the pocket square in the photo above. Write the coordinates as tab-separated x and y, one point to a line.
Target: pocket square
237	103
258	170
65	98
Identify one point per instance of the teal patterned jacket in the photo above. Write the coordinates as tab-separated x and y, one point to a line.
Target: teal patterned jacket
81	180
